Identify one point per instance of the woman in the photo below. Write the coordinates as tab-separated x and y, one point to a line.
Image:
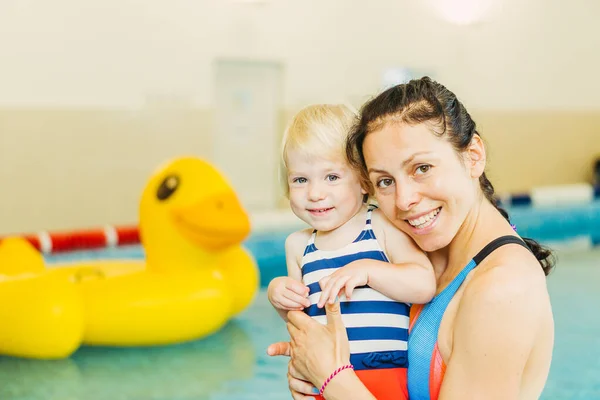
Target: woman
489	331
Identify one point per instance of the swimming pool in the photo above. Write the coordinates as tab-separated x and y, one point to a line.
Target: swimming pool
233	365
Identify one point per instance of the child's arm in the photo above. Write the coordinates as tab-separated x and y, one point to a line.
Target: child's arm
408	277
288	293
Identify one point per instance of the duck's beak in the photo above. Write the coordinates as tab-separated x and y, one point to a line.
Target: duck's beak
214	223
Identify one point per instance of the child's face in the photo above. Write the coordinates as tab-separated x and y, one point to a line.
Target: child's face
324	193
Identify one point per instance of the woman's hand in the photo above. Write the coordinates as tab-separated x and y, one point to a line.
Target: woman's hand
316	349
300	388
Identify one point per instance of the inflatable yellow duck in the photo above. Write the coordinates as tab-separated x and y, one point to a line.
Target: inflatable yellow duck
195	277
42	314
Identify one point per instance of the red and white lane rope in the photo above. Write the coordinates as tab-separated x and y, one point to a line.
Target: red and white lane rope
60	242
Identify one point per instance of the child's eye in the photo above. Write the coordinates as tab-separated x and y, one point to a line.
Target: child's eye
386	182
299	180
332	178
423	169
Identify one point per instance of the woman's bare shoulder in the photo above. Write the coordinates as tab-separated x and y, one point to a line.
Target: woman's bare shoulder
512	263
503	314
510	278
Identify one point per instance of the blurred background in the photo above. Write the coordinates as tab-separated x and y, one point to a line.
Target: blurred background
96	95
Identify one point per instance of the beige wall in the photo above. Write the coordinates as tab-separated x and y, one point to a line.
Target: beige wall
535	148
534	54
95	94
62	169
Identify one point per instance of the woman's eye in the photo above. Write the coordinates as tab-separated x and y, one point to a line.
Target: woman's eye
383	183
422	169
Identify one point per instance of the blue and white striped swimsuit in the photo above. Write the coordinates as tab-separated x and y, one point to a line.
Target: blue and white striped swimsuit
377	326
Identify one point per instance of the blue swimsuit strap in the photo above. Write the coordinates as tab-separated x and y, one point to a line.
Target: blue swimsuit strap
428	322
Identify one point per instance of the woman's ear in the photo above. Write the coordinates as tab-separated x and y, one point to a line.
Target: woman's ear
476	157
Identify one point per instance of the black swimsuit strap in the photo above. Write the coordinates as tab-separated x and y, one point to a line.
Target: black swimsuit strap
496	243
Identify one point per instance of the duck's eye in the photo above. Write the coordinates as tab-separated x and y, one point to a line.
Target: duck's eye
167	187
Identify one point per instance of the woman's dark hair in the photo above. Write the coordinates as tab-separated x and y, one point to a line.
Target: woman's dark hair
426	101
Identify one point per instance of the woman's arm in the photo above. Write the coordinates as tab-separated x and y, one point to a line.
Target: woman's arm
495	329
346	385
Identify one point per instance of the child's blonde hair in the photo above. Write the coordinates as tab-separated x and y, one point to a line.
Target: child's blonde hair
318	131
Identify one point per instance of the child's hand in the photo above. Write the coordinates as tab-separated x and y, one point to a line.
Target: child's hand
348	278
288	294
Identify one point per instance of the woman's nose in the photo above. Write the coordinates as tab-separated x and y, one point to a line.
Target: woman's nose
406	196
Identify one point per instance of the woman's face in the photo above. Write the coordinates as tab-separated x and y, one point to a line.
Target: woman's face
422	185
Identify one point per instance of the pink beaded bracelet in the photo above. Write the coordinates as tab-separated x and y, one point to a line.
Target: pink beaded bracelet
333	374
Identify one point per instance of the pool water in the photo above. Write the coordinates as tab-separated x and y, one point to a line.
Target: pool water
575	370
232	364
